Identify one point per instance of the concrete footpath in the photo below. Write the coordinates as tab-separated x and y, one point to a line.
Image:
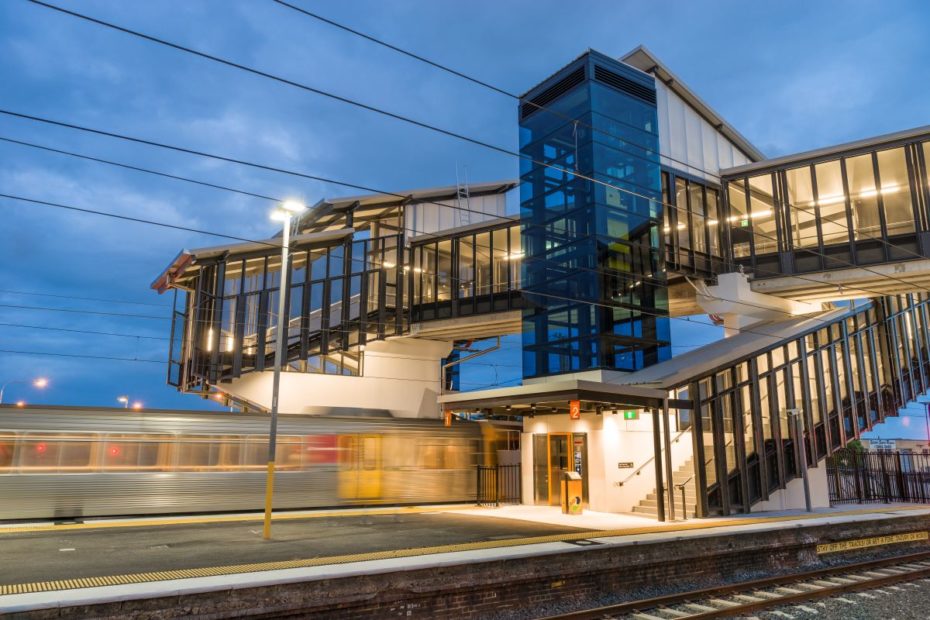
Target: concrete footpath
431	562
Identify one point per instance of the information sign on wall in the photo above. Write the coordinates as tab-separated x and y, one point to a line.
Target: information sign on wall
574	409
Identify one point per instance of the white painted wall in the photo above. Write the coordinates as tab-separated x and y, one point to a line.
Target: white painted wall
792	496
685	136
611	440
401	375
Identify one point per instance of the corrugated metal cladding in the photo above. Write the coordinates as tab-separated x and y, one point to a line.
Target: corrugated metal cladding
552	93
624	84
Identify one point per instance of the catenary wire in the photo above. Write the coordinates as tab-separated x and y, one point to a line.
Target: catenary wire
79	298
273	245
387	113
387	193
138	220
485	84
80	331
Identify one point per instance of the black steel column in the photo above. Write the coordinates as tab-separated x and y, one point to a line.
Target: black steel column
657	457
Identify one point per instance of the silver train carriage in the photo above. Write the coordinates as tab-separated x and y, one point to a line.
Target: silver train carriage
67	463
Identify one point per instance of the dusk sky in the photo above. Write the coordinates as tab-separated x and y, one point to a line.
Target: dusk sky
790	76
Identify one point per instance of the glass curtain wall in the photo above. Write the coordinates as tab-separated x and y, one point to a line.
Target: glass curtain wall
339	297
861	208
692	227
474	272
593	273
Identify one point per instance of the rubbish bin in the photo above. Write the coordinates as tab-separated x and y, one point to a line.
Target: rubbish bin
571	493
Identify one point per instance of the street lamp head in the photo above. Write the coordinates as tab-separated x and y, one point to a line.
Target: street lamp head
294	206
122	399
40	382
278	215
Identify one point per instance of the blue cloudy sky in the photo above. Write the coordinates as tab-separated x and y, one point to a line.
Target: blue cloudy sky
790	76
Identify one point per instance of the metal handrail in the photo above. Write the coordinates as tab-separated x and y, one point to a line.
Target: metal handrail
651	459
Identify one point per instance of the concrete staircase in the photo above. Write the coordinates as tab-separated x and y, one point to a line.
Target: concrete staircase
649	505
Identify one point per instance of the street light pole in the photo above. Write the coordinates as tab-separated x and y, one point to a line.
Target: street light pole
40	383
285	216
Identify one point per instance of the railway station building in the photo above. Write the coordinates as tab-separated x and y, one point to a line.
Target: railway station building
638	204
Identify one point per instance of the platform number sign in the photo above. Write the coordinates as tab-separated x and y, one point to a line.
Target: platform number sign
631	415
574	409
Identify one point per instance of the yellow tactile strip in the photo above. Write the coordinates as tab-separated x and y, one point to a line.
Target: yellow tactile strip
245	518
215	571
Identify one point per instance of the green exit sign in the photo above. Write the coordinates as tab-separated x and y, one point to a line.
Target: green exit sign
631	415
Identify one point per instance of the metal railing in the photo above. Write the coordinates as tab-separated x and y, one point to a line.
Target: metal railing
639	469
499	484
855	476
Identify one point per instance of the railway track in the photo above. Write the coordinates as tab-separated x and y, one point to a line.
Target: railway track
749	596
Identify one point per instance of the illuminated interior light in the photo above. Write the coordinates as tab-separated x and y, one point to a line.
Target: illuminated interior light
514	256
210	339
712	222
766	213
831	200
417	270
680	227
666	229
388	265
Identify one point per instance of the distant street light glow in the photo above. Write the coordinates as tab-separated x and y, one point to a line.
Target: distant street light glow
38	383
124	400
137	405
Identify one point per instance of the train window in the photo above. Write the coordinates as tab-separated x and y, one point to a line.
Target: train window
230	452
133	452
431	455
43	453
370	455
197	452
7	445
76	454
320	450
346	452
256	452
287	452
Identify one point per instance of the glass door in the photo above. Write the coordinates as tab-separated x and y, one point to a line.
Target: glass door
558	462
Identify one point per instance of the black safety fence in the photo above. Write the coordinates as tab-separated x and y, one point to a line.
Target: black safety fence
856	476
499	484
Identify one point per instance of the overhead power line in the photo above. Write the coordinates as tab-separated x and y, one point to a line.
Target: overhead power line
84	356
96	312
346	184
80	331
380	111
79	298
690	165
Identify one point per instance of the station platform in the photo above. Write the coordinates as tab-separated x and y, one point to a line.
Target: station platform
118	567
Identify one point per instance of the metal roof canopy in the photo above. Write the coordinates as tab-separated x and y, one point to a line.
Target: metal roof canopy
553	397
326	210
187	260
829	152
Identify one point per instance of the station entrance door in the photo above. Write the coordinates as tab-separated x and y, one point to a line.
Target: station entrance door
554	453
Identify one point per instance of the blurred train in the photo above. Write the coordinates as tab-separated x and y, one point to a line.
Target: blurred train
71	463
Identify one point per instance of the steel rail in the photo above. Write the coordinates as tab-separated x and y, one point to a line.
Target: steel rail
701	596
